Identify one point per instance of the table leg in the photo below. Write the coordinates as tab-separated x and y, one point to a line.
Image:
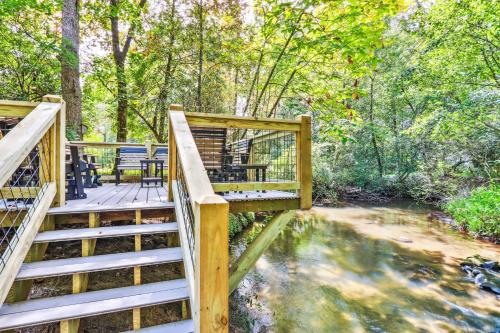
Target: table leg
264	177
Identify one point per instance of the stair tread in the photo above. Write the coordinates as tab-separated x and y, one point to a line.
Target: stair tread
53	309
58	267
103	232
184	326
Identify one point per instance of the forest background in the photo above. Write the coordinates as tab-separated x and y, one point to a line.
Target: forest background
405	95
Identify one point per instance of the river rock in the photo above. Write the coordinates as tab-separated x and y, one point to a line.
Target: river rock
403	239
490	287
479	279
443	218
493	265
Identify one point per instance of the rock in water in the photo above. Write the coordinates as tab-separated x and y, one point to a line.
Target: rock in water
491	288
403	239
493	265
480	279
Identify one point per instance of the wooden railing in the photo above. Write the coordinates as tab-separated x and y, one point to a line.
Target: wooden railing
203	228
105	154
278	155
31	177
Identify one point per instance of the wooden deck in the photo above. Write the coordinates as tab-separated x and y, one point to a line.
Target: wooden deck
111	197
131	196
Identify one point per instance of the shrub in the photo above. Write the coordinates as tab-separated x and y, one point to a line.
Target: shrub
479	212
323	182
237	222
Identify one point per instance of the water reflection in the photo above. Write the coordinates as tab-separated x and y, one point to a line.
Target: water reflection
336	272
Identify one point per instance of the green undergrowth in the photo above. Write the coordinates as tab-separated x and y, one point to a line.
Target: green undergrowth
479	212
238	222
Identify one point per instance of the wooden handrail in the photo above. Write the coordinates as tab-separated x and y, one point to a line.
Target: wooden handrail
209	295
43	126
197	181
21	140
225	121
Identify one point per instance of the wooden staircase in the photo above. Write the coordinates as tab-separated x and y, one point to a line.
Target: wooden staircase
68	308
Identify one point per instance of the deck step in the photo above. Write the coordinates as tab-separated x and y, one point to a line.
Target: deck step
105	232
54	309
184	326
58	267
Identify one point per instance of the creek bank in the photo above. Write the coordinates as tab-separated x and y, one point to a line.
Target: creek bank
438	216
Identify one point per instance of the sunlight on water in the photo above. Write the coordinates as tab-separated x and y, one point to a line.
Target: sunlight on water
371	270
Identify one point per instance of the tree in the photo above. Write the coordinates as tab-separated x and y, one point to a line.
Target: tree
120	55
70	65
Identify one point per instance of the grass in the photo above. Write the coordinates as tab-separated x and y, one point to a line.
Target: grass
479	212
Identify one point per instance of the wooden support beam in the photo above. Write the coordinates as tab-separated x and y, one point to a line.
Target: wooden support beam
81	218
248	259
136	312
81	280
255	186
229	121
304	162
58	149
16	109
211	264
172	155
274	205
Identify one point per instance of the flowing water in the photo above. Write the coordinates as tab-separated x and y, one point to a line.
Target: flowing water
369	269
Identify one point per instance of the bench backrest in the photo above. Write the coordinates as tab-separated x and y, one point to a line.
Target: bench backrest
161	153
132	155
211	144
240	150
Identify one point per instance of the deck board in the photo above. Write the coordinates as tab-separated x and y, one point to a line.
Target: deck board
59	267
130	196
111	197
53	309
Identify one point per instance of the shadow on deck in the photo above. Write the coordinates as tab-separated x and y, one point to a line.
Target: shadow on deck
131	196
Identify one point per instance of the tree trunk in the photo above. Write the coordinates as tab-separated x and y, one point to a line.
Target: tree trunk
275	65
162	107
272	113
122	100
255	77
200	55
70	65
120	55
374	138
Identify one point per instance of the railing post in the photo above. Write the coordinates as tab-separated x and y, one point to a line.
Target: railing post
212	265
172	154
304	164
57	150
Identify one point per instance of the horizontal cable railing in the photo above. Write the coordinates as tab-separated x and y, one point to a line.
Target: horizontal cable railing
187	213
30	179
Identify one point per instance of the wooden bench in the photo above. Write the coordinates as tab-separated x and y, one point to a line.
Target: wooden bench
129	158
